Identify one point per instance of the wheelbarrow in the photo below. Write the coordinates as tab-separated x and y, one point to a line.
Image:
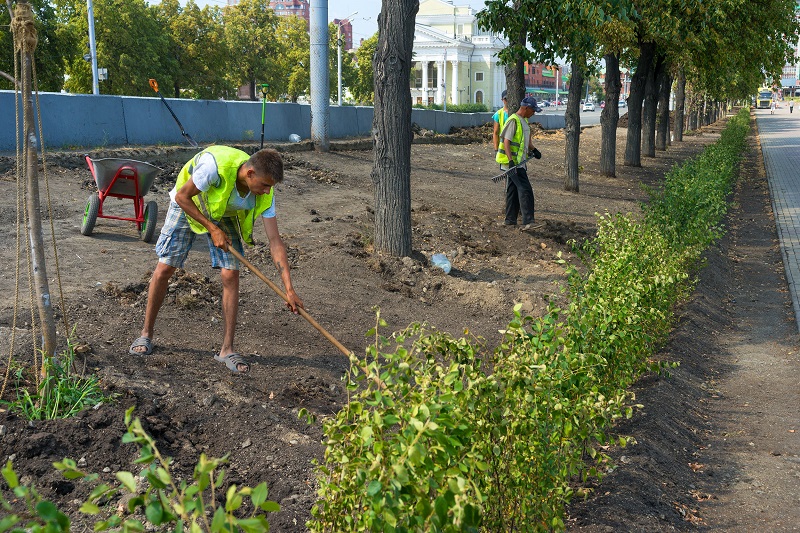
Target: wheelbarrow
122	178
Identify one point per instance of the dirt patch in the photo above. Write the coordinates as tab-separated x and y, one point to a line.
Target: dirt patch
191	403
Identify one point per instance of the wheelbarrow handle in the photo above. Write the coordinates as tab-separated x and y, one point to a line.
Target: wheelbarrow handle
154	84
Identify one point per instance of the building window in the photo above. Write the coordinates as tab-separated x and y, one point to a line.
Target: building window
416	76
419	100
433	82
479	76
479	97
460	29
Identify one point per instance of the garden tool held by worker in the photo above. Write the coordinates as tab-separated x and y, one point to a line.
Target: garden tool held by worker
264	88
533	154
154	85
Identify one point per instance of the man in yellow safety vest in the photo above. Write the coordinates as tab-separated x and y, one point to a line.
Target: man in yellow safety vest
499	120
220	192
516	141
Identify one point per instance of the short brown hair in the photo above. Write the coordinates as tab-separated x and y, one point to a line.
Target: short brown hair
267	162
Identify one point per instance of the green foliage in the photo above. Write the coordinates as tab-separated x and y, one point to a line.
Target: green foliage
250	30
62	393
165	502
456	108
38	516
49	53
440	434
363	87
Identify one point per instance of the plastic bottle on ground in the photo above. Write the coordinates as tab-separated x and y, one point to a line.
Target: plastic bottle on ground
441	261
295	138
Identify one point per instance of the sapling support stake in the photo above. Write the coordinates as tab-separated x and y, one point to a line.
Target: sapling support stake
154	86
264	87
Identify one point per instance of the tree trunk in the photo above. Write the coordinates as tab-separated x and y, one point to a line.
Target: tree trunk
650	108
609	118
391	127
515	76
662	124
680	104
34	206
573	124
633	144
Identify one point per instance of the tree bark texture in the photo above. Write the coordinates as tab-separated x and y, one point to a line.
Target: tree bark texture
633	143
662	122
650	108
391	127
573	125
609	118
515	76
680	104
44	304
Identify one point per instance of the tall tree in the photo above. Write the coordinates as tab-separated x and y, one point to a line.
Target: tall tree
294	59
363	87
50	49
541	31
391	126
250	33
197	48
130	44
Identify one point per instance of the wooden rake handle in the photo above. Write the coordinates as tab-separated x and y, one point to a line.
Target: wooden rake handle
280	293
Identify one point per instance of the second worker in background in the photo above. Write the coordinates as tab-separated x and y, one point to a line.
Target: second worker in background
512	151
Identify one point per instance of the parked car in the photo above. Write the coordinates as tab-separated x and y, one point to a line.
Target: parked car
623	103
588	106
602	105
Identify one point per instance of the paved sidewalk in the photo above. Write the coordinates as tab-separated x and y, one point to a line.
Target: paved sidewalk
780	144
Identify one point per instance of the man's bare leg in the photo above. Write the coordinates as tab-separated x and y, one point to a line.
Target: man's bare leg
155	298
230	310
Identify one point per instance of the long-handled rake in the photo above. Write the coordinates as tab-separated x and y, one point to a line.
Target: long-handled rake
264	88
280	293
154	86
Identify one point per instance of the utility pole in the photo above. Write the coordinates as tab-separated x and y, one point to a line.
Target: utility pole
93	48
320	88
25	38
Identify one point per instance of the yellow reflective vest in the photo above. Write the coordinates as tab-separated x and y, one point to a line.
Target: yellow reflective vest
516	143
214	202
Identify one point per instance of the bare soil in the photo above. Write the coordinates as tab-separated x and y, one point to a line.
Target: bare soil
192	404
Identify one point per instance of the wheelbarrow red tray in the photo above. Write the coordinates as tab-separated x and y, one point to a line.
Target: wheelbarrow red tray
127	179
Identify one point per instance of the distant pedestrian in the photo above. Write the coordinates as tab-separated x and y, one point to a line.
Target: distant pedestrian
772	108
791	106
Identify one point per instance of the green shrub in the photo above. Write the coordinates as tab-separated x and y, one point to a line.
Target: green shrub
441	434
165	502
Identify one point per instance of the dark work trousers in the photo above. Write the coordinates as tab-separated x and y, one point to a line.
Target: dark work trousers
519	197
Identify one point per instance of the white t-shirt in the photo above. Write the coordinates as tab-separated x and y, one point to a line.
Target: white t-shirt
508	133
205	176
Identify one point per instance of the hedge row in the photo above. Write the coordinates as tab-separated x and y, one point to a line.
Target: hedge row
444	434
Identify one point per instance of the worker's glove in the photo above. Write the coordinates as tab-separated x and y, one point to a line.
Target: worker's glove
536	153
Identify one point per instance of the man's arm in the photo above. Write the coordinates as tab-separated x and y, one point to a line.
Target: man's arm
278	251
496	134
184	199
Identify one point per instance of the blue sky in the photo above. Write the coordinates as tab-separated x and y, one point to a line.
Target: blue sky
368	9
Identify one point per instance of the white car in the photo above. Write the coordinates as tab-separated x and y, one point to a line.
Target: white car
588	106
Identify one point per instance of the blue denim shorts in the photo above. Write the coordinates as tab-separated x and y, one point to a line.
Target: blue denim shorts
177	237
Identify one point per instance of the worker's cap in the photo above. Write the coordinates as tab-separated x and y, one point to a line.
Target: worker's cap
503	95
530	101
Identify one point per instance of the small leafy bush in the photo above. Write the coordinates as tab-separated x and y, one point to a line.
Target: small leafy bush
165	502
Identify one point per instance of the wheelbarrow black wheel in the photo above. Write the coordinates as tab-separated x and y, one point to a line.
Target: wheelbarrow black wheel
150	219
90	214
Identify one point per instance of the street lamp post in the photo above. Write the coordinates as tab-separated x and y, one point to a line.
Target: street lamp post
339	54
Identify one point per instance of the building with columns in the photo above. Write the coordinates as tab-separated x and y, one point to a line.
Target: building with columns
454	60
